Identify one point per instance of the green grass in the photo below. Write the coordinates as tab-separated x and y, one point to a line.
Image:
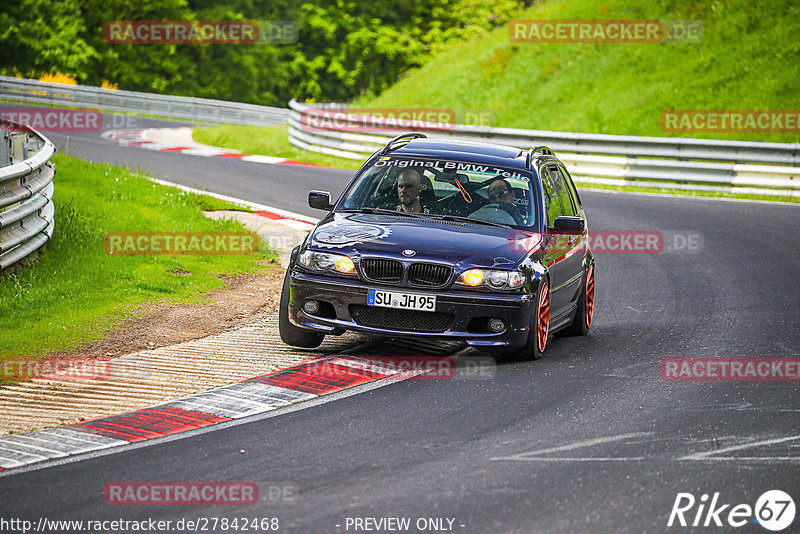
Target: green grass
76	291
686	192
268	141
749	58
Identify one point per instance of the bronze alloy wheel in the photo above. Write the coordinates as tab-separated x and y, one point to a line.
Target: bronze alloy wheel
589	295
543	317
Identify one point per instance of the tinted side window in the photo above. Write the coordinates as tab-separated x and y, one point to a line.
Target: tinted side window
560	190
552	204
576	199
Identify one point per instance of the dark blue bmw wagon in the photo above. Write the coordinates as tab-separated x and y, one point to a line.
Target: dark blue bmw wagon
456	240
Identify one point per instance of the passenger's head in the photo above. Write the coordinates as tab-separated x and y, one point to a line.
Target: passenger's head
409	186
500	191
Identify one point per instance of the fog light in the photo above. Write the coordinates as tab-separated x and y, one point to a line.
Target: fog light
496	325
311	306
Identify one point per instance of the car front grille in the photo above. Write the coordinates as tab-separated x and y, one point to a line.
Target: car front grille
395	319
426	274
381	270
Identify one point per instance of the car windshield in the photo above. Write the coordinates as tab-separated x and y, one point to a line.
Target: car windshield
431	187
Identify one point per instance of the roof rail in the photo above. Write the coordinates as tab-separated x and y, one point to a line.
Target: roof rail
546	151
388	148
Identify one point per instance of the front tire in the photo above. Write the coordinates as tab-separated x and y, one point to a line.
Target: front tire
540	326
291	334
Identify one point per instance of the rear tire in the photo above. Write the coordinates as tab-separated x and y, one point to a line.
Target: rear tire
291	334
585	312
539	328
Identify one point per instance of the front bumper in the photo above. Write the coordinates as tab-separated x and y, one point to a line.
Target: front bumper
467	308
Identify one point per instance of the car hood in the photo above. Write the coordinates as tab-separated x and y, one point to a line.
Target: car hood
457	243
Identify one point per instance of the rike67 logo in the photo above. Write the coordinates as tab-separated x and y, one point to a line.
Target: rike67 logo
774	510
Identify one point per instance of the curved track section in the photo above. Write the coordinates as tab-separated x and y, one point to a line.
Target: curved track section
589	438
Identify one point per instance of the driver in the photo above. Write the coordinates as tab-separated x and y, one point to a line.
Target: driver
500	193
409	188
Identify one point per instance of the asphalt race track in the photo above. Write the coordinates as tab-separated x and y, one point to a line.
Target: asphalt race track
588	439
283	186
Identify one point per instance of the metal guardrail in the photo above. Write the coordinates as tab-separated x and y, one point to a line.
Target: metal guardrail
180	107
26	192
667	162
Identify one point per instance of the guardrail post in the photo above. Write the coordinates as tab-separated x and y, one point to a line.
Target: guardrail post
5	149
32	144
18	152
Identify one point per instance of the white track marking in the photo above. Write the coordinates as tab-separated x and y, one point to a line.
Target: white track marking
86	437
36	446
576	459
710	455
10	457
253	205
203	151
242	399
536	455
155	146
256	158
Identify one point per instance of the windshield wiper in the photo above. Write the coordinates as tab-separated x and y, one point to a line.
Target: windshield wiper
382	211
458	218
454	218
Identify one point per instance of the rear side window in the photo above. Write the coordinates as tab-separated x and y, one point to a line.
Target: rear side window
561	191
559	199
552	204
572	191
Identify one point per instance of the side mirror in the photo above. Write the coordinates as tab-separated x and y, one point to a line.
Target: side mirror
569	224
320	200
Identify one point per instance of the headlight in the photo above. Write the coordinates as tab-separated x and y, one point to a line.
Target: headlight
491	279
324	261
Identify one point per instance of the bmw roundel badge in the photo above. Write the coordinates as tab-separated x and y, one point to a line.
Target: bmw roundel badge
408	252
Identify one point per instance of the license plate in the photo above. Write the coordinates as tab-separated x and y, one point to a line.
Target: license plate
408	301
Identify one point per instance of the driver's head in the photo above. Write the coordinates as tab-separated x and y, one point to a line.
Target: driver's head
408	186
500	191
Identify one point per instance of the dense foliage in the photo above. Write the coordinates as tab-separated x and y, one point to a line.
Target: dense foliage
345	48
747	59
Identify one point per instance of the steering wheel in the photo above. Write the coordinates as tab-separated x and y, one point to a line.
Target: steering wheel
494	213
509	208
